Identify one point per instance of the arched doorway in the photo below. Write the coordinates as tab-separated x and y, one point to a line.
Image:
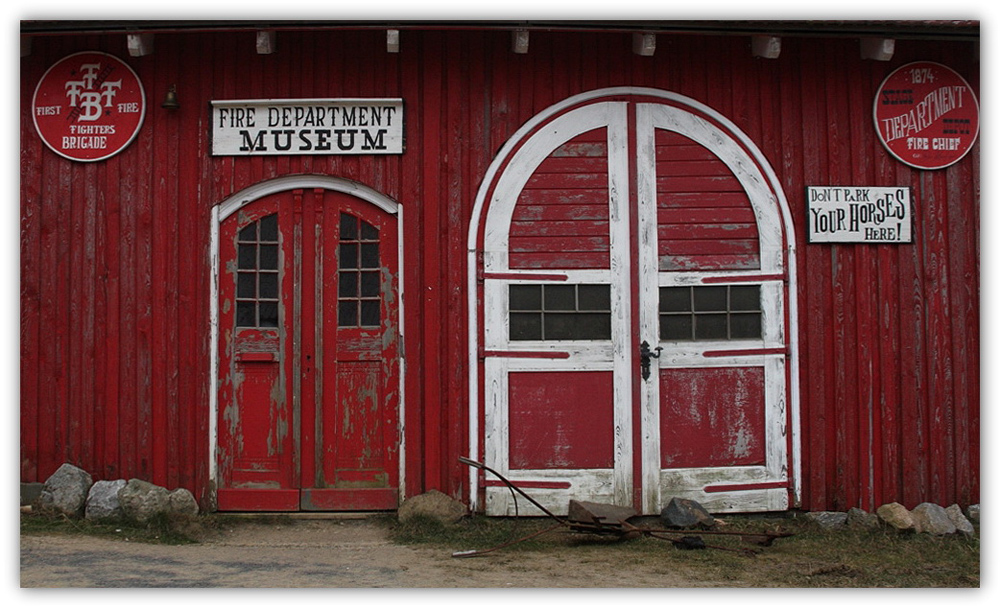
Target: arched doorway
306	348
632	255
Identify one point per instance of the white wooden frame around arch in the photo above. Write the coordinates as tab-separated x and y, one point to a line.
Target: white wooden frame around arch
507	158
233	204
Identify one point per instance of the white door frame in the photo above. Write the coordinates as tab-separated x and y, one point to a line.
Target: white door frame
234	203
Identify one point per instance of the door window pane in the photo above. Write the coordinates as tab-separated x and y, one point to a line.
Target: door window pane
359	293
258	277
713	312
560	312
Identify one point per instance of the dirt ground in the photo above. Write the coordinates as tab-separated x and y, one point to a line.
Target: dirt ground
322	553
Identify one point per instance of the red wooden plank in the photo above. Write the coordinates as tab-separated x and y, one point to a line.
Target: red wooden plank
698	183
433	90
567	181
702	199
561	260
32	207
557	198
709	262
542	228
552	244
707	232
676	168
703	216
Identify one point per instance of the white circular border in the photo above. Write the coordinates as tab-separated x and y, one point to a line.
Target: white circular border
879	131
138	126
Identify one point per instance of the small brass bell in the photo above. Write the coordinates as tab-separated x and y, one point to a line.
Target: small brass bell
170	101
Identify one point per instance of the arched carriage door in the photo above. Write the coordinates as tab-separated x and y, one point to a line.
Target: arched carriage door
635	313
308	369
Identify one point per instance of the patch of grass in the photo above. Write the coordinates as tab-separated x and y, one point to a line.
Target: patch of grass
475	532
811	557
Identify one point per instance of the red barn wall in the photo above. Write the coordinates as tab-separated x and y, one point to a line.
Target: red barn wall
115	259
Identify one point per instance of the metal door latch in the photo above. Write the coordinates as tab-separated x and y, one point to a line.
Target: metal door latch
645	354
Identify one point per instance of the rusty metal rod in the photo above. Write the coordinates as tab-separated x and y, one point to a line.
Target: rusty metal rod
509	484
475	552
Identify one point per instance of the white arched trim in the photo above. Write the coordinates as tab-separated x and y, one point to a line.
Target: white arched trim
507	157
237	201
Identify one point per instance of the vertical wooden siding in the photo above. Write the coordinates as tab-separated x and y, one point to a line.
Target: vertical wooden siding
115	256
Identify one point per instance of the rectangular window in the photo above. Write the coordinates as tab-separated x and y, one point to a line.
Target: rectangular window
715	312
257	274
359	290
560	312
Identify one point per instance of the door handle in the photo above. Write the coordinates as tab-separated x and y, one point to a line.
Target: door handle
645	354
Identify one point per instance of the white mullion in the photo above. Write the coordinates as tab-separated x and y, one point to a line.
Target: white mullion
621	286
648	269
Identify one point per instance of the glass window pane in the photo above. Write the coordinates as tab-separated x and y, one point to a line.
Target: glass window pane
347	313
675	299
594	297
268	314
370	313
249	233
369	255
744	297
269	257
675	327
348	255
370	284
745	326
560	297
573	326
710	327
348	287
348	227
246	314
526	326
269	228
247	257
268	285
525	297
246	285
368	232
710	298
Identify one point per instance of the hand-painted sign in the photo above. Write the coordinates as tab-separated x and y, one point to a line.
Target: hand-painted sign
859	214
88	106
926	115
307	126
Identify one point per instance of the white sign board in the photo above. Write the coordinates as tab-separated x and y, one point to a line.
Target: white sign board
859	214
307	126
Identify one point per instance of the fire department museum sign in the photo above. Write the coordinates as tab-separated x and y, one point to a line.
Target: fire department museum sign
307	126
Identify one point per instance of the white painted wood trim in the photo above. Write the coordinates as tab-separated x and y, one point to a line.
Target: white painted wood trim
648	304
234	203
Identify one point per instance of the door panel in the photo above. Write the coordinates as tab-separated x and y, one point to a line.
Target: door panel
308	357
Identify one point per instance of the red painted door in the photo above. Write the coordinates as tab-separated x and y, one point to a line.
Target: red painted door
634	314
308	351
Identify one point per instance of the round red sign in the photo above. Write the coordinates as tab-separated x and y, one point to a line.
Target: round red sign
88	106
926	115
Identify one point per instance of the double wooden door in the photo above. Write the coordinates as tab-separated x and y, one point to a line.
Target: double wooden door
308	381
634	298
